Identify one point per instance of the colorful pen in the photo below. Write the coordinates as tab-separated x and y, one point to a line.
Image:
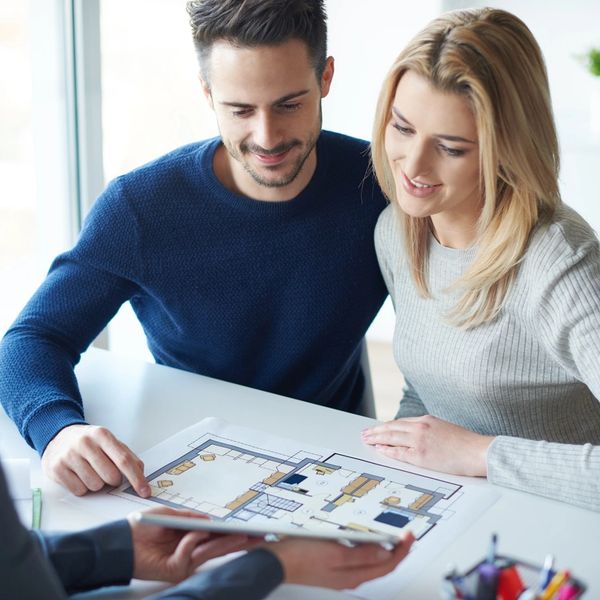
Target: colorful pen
568	592
546	573
554	585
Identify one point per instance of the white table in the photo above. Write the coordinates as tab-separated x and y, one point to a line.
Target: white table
142	404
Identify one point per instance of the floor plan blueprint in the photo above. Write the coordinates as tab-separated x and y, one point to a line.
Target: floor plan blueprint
235	473
231	480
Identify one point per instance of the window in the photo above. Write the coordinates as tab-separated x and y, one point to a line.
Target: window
36	217
151	97
151	103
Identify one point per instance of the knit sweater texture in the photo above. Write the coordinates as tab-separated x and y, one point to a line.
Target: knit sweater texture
531	376
272	295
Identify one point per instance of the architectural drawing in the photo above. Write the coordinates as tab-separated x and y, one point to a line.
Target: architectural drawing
237	473
234	480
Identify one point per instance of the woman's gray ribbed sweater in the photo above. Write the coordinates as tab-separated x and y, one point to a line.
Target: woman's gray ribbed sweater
531	376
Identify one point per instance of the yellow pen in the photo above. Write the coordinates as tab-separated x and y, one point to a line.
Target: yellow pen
554	585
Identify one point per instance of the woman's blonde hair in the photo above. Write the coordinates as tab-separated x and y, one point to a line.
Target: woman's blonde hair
490	57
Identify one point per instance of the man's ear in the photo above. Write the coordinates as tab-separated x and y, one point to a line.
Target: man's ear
327	76
206	90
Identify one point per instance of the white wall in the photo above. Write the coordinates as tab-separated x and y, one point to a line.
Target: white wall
565	31
364	39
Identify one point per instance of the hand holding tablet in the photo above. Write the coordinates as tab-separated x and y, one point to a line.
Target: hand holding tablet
270	531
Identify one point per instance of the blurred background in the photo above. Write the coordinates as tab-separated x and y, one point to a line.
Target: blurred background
92	88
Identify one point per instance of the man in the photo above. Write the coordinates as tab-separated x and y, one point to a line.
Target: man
36	565
248	258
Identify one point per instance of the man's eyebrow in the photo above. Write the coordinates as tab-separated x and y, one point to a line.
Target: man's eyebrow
281	100
441	136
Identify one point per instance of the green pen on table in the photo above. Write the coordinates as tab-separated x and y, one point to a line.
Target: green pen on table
36	513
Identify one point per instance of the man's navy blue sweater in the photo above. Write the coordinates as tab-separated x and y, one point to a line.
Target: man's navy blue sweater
272	295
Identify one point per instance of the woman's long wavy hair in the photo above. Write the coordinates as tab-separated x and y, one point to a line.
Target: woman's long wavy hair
489	57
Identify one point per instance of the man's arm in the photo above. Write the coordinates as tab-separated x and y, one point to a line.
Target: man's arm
91	558
114	553
38	389
24	572
304	562
251	577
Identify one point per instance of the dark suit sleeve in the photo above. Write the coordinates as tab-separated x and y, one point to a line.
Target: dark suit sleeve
251	577
24	572
92	558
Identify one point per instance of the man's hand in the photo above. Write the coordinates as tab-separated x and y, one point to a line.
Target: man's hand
432	443
331	565
174	554
87	457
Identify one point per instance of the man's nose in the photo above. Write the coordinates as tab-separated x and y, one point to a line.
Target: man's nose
267	133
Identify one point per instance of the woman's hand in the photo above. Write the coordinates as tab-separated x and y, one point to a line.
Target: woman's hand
432	443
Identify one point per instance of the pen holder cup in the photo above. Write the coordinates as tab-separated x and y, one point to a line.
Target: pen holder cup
518	580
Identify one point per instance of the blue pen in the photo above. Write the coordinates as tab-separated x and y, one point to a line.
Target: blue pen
546	574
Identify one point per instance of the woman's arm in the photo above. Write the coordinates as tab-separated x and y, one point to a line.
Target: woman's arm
567	472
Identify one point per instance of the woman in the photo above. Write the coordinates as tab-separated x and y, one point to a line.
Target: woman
496	283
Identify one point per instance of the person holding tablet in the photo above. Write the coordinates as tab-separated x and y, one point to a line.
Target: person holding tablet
496	282
36	565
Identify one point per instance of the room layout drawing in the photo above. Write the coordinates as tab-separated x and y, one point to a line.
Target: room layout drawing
234	480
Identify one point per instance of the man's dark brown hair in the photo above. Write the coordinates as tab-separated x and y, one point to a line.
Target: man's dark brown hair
252	23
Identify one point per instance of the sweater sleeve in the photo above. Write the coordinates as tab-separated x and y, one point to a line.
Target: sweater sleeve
565	311
566	472
252	576
83	290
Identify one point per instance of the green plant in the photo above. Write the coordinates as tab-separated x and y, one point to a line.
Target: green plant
593	61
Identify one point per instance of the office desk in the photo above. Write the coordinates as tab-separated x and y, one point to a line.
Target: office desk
143	403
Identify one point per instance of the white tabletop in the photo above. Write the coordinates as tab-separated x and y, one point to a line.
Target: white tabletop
142	404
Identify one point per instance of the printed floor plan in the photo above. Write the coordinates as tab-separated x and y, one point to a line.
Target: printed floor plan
232	480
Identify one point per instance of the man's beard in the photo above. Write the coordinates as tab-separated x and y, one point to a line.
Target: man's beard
286	178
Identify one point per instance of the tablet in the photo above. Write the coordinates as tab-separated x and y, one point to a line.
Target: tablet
270	531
